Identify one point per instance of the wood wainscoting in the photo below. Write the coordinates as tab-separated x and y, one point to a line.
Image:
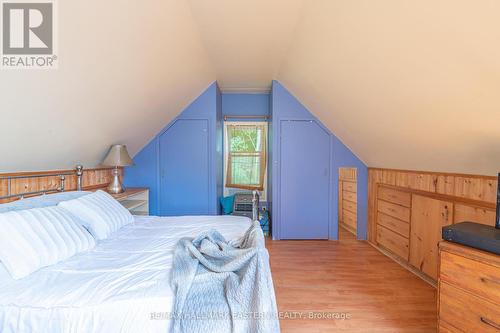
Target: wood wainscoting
91	179
407	209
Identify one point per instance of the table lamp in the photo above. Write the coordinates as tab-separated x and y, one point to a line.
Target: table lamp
117	157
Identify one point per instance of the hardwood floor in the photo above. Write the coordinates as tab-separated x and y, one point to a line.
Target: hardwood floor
348	277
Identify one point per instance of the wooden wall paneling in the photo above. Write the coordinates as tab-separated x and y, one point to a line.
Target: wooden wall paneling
481	189
475	189
445	184
471	213
34	184
3	186
91	179
428	216
468	197
373	181
3	190
388	177
402	179
490	190
348	174
466	187
422	182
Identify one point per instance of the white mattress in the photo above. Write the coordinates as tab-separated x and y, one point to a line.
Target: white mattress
114	288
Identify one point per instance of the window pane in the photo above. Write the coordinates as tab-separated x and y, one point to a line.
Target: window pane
245	170
246	138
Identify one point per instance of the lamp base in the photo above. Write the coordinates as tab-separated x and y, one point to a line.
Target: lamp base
116	186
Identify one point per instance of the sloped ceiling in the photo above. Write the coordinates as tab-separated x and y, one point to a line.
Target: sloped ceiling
126	68
246	39
404	84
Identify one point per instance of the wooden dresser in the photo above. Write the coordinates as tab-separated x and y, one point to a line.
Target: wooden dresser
469	290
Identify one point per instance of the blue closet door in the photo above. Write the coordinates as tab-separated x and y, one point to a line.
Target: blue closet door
184	168
304	181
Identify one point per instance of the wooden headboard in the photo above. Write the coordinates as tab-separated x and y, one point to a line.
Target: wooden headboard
28	184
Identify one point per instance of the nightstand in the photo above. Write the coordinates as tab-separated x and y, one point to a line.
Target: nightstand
135	199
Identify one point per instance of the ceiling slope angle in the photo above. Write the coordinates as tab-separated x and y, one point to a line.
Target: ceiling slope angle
410	85
247	40
119	80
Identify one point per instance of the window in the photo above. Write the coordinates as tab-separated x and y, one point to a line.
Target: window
246	148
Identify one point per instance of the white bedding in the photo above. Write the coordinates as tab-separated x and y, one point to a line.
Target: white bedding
116	287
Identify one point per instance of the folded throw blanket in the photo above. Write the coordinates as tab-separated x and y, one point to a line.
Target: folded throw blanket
223	286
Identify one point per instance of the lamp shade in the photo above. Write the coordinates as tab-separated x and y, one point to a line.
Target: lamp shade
117	156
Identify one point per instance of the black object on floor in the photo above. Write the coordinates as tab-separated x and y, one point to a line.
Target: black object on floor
479	236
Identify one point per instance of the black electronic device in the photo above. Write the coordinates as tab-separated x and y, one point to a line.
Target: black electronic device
476	235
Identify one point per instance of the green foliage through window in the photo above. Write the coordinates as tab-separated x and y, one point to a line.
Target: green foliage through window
246	156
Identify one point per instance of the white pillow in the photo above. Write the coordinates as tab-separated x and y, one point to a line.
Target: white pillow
34	238
100	212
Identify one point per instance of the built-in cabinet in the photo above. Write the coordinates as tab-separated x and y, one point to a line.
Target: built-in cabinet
348	199
393	221
428	216
407	212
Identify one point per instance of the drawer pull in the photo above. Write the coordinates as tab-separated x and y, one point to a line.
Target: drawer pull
486	280
490	323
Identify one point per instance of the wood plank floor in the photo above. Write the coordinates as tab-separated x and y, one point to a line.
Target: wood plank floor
348	277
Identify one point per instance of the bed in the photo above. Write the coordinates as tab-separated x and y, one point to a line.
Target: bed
121	285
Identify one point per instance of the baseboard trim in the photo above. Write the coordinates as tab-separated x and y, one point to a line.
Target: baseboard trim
405	265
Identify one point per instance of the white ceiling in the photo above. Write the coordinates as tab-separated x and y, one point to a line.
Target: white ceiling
126	68
246	39
405	84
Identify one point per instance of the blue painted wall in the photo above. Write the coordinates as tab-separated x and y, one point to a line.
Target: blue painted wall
245	105
284	106
211	105
249	104
146	171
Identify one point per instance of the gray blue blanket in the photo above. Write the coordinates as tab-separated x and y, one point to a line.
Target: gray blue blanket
223	286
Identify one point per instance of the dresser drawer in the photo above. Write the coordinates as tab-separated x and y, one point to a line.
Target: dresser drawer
397	211
394	196
350	219
350	187
474	276
467	312
349	196
444	327
393	242
350	206
394	224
